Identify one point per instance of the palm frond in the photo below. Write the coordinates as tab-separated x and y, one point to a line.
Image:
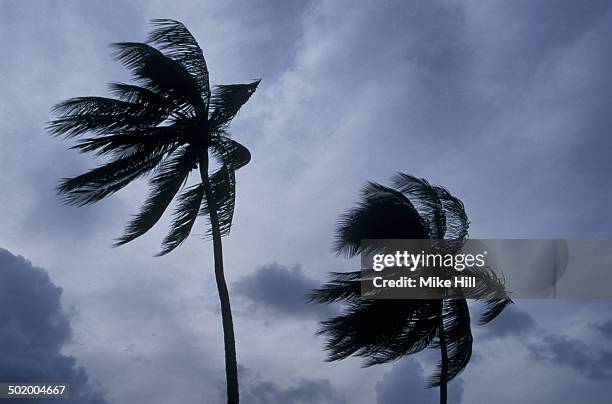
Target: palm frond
141	96
133	140
170	108
491	290
382	213
342	286
223	188
494	307
380	330
489	285
175	41
229	152
227	100
457	222
164	186
185	215
458	337
159	73
100	115
109	178
426	201
419	332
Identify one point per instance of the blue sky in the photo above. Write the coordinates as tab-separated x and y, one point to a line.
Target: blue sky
504	103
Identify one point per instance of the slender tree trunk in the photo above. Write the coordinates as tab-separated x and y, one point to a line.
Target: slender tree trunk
231	364
444	354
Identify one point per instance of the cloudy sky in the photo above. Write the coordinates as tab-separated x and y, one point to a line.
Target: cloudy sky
507	104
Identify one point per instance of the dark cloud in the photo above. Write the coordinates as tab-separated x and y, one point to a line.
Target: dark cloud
406	382
563	350
282	290
552	347
512	322
605	329
34	330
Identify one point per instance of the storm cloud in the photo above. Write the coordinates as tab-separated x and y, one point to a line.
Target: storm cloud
514	323
35	328
605	329
282	290
562	350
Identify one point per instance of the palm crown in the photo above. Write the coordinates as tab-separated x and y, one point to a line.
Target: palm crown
385	330
163	126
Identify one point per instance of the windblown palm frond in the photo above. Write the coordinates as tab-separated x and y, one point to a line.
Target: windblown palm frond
458	339
165	185
223	186
494	306
99	115
228	152
100	182
383	331
175	41
192	203
456	221
185	215
227	100
426	201
382	213
122	144
341	287
380	330
141	96
159	73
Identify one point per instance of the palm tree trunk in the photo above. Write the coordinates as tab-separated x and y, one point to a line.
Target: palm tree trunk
444	354
231	364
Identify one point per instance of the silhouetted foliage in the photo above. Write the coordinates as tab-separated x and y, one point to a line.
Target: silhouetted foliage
383	331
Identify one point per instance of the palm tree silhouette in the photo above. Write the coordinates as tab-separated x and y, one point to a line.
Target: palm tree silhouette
384	331
164	126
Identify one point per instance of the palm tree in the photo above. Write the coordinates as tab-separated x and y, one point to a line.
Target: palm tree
384	331
163	126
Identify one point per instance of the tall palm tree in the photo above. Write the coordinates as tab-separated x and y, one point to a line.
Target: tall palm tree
384	331
163	126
